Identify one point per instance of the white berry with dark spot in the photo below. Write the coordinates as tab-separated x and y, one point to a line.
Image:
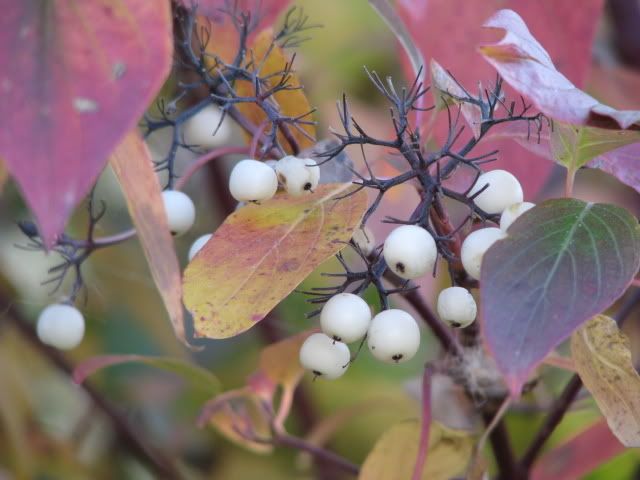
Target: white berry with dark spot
394	336
61	326
197	245
364	239
325	357
252	181
410	251
503	190
457	307
180	211
298	175
512	212
205	130
475	246
345	317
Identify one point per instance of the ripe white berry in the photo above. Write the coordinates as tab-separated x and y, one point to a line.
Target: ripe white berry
457	307
512	212
475	246
324	356
199	130
181	213
363	237
298	175
61	326
394	336
410	251
345	317
503	190
197	245
252	181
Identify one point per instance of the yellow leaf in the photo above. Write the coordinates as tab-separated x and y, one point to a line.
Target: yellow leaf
394	454
262	252
271	61
603	360
133	167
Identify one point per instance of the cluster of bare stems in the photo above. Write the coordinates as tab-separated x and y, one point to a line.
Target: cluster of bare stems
206	79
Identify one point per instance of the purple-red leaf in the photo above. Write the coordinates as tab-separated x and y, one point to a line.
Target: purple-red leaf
563	262
525	65
74	78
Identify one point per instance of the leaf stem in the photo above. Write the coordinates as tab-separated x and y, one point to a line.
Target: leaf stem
423	445
569	182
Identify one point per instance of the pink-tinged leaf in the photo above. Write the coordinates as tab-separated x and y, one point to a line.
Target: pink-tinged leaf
563	262
250	411
580	455
623	163
74	78
525	65
229	286
196	377
134	169
450	32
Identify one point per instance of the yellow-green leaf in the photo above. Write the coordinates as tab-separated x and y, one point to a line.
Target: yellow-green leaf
272	62
603	360
262	252
394	454
574	146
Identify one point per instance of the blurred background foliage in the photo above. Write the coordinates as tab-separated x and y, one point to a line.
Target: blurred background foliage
49	427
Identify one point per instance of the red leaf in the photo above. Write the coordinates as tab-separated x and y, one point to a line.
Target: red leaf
450	31
580	455
74	78
524	63
563	262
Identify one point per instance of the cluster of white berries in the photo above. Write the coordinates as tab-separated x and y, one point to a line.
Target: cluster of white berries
500	192
393	336
254	181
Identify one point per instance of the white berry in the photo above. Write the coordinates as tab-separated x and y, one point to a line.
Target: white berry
180	211
364	240
503	190
61	326
324	356
475	246
252	181
394	336
298	175
410	251
199	130
345	317
457	307
197	245
512	212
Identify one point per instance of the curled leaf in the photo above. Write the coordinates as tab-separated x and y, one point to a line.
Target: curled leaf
519	58
602	356
230	286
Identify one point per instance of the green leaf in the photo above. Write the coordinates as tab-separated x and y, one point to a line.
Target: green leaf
563	262
574	146
196	378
